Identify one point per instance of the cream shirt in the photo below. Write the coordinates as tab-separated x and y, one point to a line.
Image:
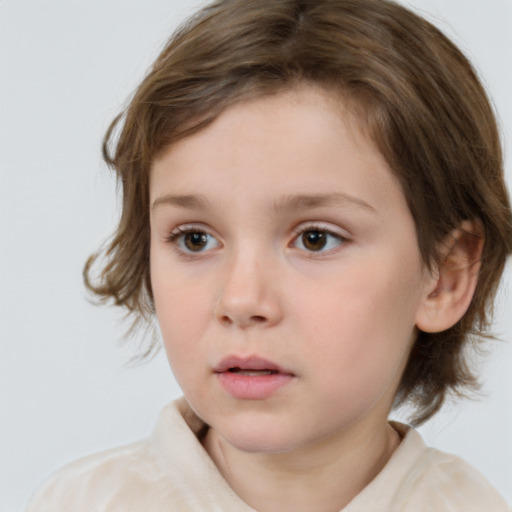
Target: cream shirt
171	472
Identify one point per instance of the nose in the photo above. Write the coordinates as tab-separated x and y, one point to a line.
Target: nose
248	293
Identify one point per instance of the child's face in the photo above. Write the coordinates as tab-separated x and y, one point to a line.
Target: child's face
281	240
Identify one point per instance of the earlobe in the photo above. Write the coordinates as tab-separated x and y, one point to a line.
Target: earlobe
450	287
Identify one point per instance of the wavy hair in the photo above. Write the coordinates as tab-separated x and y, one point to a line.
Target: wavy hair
417	97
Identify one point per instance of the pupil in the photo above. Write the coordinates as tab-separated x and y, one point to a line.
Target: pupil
195	241
314	240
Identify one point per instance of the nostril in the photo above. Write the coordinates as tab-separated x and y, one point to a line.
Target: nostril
225	320
258	319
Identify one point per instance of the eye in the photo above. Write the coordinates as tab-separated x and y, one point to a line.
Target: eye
193	240
318	240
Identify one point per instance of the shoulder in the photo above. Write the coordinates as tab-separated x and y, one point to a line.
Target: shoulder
439	481
422	479
127	478
169	470
91	482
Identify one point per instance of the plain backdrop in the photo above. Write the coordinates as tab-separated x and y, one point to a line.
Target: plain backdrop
66	68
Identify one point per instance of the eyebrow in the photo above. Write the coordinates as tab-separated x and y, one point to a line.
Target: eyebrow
310	201
285	204
188	202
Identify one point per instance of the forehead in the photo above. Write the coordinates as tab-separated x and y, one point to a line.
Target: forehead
296	141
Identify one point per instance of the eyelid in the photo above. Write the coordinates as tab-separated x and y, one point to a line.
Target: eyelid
177	234
331	230
321	226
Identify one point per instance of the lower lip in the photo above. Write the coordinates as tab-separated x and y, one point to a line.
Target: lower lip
253	387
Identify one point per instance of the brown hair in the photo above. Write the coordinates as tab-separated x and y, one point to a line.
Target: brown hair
415	93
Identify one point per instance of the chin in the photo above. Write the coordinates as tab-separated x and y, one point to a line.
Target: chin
262	437
261	444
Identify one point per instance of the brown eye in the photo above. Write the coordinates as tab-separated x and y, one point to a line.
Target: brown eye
192	241
318	240
314	240
195	241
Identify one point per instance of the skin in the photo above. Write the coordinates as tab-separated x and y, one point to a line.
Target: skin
341	319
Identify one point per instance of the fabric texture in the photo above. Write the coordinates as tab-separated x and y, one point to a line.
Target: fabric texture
171	472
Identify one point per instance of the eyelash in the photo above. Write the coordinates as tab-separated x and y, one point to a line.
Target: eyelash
301	230
177	239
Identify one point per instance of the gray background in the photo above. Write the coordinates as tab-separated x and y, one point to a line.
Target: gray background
66	67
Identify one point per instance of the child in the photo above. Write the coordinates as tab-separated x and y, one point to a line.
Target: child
314	208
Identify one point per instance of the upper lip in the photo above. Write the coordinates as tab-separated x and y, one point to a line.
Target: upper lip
248	363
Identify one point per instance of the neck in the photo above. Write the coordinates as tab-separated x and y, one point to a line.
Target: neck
323	477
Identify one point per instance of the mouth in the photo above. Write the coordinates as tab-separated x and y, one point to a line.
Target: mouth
250	366
252	378
252	373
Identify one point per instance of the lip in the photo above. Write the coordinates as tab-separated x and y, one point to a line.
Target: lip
248	386
248	363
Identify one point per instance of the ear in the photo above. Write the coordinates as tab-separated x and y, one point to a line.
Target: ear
451	285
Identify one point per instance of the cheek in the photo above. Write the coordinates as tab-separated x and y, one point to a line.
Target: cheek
181	314
181	326
182	309
366	324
